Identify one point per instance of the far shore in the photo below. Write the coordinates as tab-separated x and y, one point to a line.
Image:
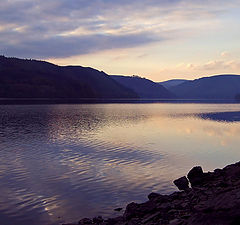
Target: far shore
41	101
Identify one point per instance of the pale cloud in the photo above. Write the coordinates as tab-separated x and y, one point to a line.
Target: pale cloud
213	65
190	66
233	64
221	64
225	54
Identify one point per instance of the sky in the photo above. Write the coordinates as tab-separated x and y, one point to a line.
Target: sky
156	39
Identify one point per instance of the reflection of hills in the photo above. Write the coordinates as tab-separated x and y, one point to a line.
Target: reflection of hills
221	116
75	123
44	147
230	116
60	122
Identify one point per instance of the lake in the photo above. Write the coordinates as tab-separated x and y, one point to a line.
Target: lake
59	163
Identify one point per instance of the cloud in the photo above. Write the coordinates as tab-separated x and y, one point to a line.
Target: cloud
221	65
225	54
214	65
61	46
62	28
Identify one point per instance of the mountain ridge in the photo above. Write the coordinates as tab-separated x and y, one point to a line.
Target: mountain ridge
30	78
27	78
145	88
221	86
173	82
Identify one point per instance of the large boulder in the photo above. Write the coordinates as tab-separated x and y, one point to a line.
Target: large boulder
153	196
182	183
195	176
134	210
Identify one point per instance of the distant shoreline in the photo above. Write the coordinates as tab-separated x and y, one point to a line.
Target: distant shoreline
40	101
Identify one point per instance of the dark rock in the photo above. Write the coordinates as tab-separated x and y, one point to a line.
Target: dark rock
214	199
150	217
134	210
182	183
175	222
195	176
131	210
118	209
85	221
217	171
116	220
153	196
69	224
97	220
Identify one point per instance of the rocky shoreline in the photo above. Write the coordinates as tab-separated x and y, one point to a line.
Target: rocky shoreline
212	199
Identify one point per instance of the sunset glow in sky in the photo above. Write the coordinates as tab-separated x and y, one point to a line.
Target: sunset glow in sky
157	39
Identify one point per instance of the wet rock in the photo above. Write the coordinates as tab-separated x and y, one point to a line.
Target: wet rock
134	221
175	222
115	221
85	221
131	210
97	220
134	210
150	217
195	176
214	199
218	171
69	224
153	196
182	183
118	209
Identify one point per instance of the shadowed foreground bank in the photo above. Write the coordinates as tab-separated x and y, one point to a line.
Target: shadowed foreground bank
214	198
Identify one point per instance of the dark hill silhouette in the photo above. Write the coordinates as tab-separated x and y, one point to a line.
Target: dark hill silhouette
21	78
221	116
214	87
171	83
143	87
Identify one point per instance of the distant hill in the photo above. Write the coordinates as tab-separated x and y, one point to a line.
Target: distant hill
171	83
21	78
143	87
214	87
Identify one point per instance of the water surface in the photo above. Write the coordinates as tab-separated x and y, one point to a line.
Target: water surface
59	163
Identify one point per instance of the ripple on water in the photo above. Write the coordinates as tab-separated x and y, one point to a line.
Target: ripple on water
72	161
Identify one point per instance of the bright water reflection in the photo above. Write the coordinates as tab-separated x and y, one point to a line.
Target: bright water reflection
59	163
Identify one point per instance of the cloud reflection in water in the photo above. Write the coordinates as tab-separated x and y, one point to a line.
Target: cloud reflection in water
70	161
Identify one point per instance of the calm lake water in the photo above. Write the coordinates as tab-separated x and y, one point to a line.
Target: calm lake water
59	163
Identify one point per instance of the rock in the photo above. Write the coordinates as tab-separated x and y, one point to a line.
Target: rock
153	196
131	210
150	217
69	224
195	176
116	220
134	210
217	171
214	199
118	209
97	220
85	221
182	183
175	222
165	206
